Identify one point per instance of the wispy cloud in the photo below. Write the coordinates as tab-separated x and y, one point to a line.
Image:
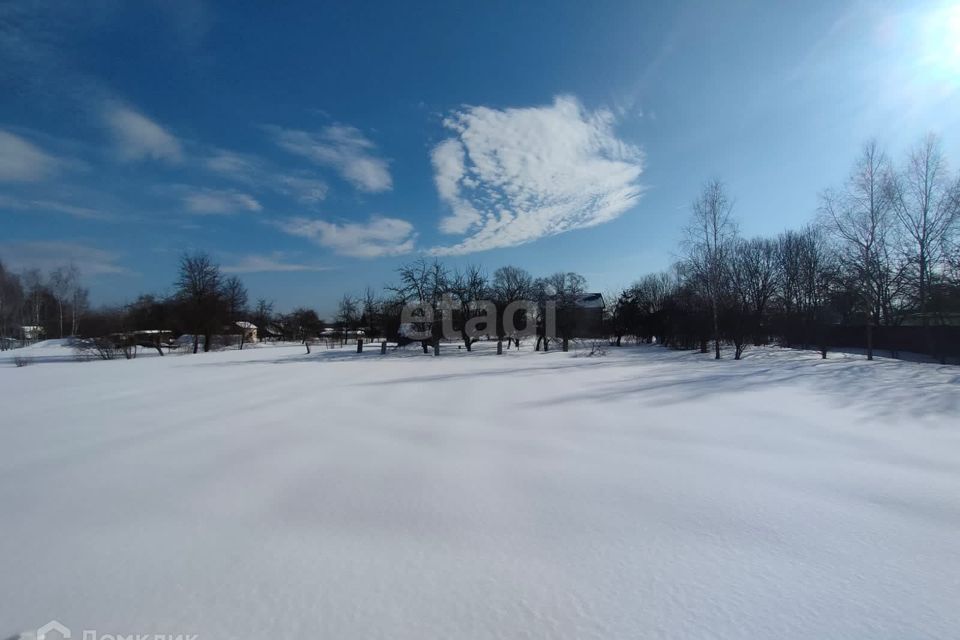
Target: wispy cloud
137	137
377	237
304	190
53	206
91	261
259	174
219	202
23	161
273	263
512	176
342	148
231	164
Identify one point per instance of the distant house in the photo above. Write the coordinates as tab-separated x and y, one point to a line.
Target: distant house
248	329
933	319
29	332
149	337
152	338
269	332
587	316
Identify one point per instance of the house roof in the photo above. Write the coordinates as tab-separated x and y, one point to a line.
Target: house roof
243	324
591	300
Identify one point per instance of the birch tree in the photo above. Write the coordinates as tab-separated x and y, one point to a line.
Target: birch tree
859	217
708	241
924	199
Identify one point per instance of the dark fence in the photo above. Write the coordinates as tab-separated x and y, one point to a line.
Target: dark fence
941	342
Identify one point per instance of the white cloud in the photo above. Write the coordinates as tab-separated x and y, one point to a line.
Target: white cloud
137	137
342	148
272	263
377	237
219	202
449	167
23	161
512	176
47	256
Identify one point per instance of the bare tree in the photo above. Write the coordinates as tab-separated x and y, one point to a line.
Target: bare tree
562	291
708	241
11	304
469	288
199	290
371	309
650	293
510	285
755	262
623	314
925	202
736	305
235	298
34	287
79	304
303	325
425	283
859	216
348	315
263	313
63	281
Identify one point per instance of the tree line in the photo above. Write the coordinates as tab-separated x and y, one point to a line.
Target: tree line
51	304
882	254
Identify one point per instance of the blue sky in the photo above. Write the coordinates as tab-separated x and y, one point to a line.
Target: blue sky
312	147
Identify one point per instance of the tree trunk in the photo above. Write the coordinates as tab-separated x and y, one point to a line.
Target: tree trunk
927	333
716	331
196	342
359	344
206	341
565	344
499	347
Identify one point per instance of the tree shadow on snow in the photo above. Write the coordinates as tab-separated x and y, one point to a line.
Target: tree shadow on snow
881	388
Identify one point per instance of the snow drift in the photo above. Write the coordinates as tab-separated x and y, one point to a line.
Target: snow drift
647	493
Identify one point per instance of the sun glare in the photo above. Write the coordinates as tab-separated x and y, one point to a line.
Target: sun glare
940	42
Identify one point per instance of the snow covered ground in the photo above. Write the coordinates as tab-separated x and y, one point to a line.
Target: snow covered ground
644	494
